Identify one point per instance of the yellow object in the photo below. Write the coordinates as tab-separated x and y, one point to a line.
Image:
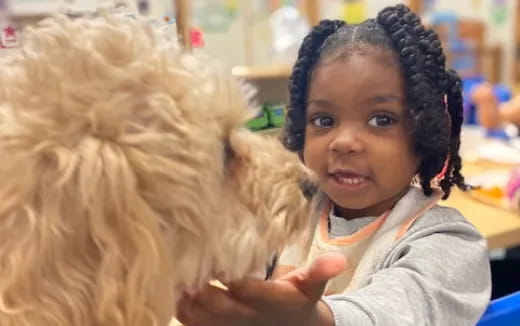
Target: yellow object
232	5
495	192
477	4
354	12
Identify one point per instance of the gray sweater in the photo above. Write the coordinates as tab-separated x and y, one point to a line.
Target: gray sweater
436	273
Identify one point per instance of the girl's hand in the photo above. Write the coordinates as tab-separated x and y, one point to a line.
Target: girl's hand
293	299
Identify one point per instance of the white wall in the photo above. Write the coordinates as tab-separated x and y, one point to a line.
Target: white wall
231	45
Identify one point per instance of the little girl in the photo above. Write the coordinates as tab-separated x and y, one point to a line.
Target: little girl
377	116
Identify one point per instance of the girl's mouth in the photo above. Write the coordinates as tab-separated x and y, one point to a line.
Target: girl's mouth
351	180
348	179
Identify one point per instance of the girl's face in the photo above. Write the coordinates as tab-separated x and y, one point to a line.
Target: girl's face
357	136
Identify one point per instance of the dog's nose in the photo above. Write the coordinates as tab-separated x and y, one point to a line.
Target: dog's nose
308	188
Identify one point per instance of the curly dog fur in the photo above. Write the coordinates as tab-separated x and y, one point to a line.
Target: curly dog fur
127	177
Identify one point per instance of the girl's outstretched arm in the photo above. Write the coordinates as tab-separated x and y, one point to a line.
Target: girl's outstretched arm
294	299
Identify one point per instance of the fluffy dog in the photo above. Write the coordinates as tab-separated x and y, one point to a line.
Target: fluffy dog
127	177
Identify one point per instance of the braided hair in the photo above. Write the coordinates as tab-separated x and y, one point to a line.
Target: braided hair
433	93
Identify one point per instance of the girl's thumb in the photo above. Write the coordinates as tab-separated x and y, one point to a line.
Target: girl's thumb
312	282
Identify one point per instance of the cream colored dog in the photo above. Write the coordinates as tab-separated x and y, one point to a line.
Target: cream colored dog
127	177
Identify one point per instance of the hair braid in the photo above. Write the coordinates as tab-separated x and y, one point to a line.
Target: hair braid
429	87
396	21
455	109
294	130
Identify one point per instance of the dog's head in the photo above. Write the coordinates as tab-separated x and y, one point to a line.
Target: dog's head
127	175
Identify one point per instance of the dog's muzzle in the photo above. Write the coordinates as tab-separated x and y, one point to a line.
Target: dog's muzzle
308	188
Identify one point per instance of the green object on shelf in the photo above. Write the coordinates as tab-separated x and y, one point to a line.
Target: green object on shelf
259	122
276	114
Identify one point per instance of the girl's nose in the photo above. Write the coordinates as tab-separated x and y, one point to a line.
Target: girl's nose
346	142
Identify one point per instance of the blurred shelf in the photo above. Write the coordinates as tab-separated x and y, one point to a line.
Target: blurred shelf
7	52
45	8
270	131
35	8
265	72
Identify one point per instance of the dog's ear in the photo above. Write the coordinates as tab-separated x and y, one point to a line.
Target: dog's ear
239	145
229	153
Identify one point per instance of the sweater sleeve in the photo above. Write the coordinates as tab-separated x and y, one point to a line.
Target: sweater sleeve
438	276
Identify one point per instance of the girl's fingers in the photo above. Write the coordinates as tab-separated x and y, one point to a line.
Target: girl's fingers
314	280
261	294
219	302
298	287
190	313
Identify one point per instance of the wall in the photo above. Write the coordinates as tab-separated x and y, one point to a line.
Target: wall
248	39
231	46
496	34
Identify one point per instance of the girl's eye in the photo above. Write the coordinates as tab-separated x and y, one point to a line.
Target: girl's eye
322	121
382	120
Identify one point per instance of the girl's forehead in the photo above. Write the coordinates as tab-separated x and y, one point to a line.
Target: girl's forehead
357	79
358	68
379	53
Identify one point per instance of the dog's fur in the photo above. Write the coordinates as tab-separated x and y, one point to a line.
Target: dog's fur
127	177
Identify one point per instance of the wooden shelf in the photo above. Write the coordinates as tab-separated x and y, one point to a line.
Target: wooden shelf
270	131
39	9
498	235
266	72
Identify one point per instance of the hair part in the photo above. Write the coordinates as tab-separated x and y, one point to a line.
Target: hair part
433	93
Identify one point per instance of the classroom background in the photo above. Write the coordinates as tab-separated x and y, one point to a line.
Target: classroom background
258	41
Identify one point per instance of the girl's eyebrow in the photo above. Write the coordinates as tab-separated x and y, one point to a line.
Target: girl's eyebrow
319	102
386	98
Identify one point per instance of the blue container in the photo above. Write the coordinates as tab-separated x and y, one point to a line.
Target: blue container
502	92
502	312
468	85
